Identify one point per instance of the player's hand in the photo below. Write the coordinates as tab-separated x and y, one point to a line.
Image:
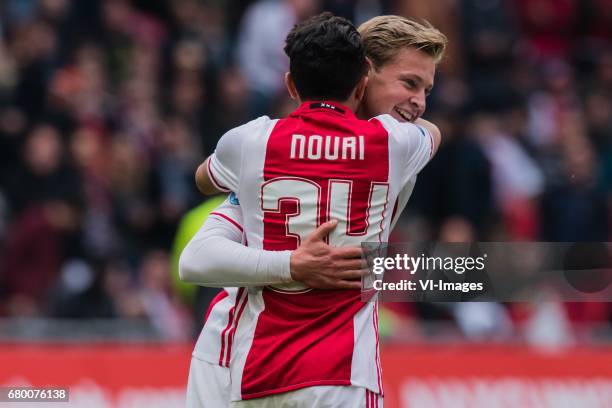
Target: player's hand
320	266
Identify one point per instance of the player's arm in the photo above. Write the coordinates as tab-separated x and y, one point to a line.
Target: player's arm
215	257
203	179
220	172
408	186
416	141
433	131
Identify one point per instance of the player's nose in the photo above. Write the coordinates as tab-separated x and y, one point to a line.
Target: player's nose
418	102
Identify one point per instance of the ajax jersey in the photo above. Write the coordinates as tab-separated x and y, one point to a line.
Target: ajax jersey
291	175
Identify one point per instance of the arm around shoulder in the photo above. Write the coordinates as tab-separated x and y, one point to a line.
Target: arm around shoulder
433	131
215	257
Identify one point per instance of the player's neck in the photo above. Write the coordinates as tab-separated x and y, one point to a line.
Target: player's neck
350	103
361	113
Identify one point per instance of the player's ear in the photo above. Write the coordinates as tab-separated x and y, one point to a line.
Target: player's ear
361	87
291	86
370	65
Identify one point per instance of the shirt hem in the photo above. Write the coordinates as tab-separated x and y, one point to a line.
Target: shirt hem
294	387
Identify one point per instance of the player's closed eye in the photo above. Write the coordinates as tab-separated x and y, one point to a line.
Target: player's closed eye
410	84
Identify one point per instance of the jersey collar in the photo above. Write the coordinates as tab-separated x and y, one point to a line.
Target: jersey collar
323	106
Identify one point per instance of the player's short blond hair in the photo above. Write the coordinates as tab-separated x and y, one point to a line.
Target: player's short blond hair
384	36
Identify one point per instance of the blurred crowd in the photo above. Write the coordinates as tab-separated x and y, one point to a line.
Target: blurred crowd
107	107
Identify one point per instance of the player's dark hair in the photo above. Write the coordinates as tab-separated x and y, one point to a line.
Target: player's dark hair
326	57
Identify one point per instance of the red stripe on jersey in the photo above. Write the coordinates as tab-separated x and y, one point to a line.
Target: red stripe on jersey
219	297
230	336
230	321
367	398
213	179
301	341
235	223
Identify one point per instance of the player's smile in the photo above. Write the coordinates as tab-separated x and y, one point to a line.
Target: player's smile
405	115
400	86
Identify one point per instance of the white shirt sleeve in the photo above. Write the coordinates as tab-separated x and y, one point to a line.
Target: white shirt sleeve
225	164
216	257
415	142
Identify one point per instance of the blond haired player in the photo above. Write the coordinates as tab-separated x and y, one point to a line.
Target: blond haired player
403	56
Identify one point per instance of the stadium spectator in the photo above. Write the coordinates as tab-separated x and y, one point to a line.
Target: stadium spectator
159	303
260	47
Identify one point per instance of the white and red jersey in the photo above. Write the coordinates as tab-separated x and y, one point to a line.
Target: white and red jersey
291	175
214	343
